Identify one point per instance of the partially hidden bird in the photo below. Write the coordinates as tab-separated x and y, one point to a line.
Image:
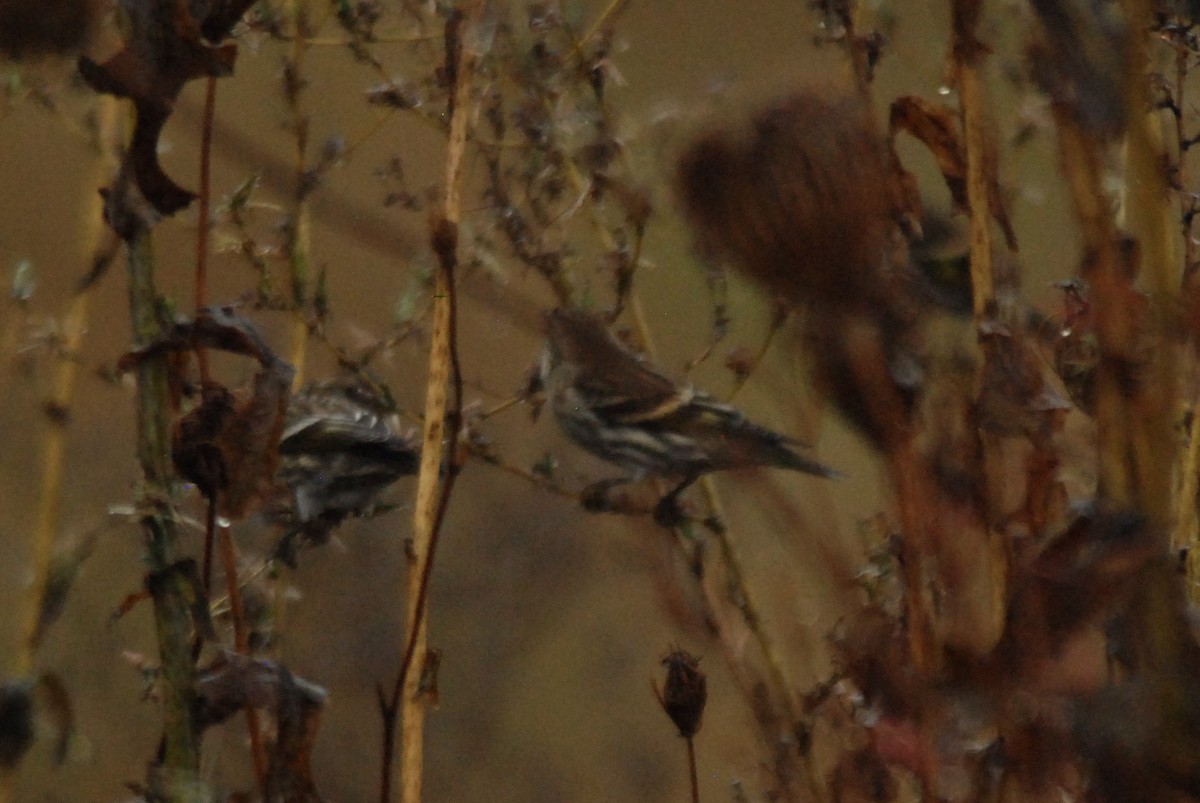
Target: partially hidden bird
337	455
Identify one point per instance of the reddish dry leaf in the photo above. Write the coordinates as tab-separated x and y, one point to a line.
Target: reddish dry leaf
935	125
235	682
168	45
229	445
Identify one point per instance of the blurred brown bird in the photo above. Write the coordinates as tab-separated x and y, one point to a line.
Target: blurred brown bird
617	406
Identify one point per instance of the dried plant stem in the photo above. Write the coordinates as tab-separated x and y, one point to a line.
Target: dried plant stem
168	585
736	588
94	237
202	209
1148	216
968	55
971	97
1082	169
300	239
736	593
1182	175
691	757
430	502
237	613
201	292
94	240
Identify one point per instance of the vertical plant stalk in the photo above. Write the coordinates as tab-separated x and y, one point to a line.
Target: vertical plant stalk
776	681
1082	169
168	586
1162	639
430	503
968	54
975	140
300	239
94	239
1148	216
201	292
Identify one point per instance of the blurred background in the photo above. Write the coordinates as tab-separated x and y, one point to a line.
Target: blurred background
551	621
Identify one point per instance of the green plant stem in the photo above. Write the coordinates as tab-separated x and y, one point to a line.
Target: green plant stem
168	586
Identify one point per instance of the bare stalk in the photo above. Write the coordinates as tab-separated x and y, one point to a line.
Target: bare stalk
432	492
95	238
1149	218
167	581
300	236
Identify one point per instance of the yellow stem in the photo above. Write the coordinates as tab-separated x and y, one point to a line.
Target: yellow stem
425	509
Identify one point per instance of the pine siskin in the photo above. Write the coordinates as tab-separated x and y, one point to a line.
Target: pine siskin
614	404
337	454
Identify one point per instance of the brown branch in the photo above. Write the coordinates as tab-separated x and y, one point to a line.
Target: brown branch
432	493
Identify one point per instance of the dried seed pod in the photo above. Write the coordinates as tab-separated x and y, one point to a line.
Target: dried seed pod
684	692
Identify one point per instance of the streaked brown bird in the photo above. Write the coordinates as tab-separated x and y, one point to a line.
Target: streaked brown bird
337	454
617	406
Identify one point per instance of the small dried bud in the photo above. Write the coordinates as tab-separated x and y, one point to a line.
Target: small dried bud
684	692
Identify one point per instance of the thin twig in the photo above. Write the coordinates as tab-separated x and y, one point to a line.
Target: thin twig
237	614
695	781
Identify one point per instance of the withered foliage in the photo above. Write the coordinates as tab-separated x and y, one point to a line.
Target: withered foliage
228	445
684	693
1024	629
170	42
937	127
233	682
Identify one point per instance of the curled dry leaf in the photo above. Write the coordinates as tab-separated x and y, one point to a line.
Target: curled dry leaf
229	445
168	44
935	125
235	682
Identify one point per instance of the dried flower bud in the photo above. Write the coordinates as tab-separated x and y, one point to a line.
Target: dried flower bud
684	692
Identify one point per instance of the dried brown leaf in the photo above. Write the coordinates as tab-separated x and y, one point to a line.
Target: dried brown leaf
229	445
936	126
235	682
167	46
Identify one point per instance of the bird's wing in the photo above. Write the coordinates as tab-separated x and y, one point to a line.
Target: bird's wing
731	440
631	392
335	433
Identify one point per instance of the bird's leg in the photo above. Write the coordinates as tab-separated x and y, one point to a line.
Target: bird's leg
594	497
668	513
